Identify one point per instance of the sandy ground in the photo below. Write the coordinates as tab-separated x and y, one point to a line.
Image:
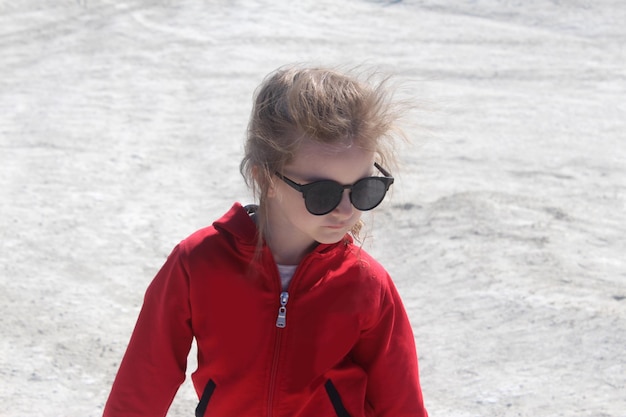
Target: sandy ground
121	124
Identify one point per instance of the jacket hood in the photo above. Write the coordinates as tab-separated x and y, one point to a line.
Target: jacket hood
238	224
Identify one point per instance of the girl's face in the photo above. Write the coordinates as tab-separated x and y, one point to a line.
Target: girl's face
292	230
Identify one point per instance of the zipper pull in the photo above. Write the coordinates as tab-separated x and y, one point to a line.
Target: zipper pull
281	321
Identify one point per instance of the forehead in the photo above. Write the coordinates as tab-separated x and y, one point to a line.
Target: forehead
342	162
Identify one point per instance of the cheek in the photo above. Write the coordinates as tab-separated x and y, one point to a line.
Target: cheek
288	199
295	202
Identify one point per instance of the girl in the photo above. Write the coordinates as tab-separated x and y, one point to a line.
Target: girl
291	318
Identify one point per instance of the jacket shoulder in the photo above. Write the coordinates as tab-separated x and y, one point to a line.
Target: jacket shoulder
366	262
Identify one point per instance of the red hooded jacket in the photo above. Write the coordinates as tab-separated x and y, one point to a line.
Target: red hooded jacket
337	343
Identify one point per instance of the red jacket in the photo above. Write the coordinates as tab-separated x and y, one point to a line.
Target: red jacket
346	348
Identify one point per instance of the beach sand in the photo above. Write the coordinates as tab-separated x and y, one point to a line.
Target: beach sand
121	131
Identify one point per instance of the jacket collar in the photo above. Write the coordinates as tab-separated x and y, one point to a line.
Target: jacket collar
238	223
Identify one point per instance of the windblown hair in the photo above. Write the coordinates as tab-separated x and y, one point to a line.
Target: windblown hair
319	104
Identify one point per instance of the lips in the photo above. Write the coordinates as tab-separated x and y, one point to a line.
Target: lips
336	226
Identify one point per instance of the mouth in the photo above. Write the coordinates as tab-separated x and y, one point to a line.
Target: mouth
336	226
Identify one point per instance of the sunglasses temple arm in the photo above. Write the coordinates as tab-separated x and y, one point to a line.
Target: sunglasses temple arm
383	170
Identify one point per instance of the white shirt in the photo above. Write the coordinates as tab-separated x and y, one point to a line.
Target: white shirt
286	273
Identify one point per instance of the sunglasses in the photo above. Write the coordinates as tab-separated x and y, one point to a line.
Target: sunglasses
322	197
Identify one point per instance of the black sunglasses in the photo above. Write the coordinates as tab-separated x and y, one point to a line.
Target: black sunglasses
322	197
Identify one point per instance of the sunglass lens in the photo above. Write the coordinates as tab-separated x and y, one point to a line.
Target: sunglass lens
368	193
323	197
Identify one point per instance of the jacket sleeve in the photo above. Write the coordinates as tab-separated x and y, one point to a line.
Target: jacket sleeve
153	367
386	350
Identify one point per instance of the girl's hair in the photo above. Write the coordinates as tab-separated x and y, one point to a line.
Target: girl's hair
320	104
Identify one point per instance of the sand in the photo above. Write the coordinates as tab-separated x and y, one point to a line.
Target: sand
121	133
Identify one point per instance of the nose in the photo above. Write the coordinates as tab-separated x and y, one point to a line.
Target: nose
345	205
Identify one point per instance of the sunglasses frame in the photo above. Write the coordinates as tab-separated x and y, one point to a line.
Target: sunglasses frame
387	179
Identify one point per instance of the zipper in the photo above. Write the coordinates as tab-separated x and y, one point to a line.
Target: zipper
281	320
281	323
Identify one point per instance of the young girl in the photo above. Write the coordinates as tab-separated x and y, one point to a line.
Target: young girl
291	318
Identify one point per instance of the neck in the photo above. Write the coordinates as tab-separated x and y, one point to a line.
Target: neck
287	250
288	246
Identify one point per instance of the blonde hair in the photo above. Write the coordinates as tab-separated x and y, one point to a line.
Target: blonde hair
319	104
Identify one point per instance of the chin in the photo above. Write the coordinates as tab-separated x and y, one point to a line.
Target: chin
329	240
